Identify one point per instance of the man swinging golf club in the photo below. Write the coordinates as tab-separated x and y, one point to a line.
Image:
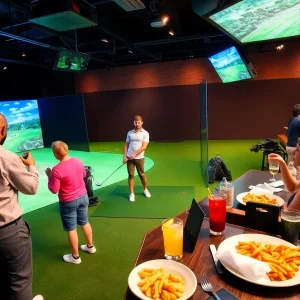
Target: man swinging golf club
137	141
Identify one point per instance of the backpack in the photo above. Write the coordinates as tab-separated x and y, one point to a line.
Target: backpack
88	180
217	170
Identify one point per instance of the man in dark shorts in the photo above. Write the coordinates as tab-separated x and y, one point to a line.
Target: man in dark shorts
137	141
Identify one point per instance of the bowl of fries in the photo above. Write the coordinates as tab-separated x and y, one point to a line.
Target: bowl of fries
260	197
162	279
283	258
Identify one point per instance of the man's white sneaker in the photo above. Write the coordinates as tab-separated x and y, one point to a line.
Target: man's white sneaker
147	194
131	197
38	297
85	248
70	259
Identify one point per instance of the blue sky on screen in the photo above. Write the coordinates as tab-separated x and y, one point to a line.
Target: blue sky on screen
19	111
225	57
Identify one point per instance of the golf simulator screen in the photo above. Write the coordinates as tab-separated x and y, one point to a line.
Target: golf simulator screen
230	66
258	20
24	127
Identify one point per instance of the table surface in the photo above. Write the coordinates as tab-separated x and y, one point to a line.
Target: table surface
236	214
201	261
253	177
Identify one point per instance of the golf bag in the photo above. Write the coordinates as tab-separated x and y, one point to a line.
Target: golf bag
217	170
88	180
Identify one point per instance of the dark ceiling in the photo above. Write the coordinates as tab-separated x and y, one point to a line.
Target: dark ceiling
130	37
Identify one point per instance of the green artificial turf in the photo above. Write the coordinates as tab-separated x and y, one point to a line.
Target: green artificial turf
102	163
103	275
165	202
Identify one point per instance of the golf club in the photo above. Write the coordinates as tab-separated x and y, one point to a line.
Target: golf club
100	184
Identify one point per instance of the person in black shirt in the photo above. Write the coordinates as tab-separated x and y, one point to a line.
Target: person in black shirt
293	132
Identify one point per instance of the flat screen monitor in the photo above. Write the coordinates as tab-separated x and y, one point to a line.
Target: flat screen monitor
230	66
24	127
71	61
250	21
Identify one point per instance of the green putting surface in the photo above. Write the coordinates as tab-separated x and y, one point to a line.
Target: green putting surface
103	164
165	202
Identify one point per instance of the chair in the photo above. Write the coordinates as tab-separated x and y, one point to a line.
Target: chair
262	217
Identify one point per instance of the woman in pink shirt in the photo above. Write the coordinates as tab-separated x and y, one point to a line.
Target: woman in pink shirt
67	179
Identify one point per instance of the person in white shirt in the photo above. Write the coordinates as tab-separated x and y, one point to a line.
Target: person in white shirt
137	141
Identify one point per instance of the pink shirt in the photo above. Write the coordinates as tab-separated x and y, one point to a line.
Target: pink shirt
67	179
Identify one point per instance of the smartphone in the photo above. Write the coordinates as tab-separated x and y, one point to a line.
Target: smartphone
224	295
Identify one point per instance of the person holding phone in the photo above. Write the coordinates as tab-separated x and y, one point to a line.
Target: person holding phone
18	174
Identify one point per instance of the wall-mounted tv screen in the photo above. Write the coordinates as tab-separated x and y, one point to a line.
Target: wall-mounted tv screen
230	66
258	20
71	61
24	127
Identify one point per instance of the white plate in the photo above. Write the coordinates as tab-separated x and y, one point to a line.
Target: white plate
240	196
169	266
230	243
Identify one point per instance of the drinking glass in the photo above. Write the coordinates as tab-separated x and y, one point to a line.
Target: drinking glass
217	214
273	168
290	225
173	238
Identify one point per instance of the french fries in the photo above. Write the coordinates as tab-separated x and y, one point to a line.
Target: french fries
283	261
158	284
259	199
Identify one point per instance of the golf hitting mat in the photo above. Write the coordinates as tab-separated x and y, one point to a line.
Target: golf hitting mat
165	202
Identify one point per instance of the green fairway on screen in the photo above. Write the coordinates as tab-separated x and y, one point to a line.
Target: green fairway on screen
24	127
230	66
259	20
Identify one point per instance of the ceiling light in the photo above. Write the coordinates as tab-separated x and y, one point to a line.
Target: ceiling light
104	40
171	32
160	22
5	67
280	47
165	19
130	51
23	54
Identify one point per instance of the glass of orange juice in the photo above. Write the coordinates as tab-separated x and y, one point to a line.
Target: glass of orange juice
173	238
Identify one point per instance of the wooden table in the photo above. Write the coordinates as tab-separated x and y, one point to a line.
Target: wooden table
201	261
236	214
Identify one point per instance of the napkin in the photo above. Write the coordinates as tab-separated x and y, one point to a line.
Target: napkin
249	267
264	188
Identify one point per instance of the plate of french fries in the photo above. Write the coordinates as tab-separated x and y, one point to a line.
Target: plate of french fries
283	258
162	279
260	197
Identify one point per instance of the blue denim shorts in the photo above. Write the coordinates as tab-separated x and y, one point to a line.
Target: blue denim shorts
74	212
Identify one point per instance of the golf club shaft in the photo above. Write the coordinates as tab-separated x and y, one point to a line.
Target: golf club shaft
111	174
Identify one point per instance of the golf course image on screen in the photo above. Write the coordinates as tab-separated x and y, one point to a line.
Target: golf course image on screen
230	66
24	127
260	20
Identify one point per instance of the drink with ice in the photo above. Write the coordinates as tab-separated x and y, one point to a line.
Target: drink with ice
173	238
217	214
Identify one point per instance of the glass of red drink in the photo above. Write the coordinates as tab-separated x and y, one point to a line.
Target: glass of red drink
217	214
